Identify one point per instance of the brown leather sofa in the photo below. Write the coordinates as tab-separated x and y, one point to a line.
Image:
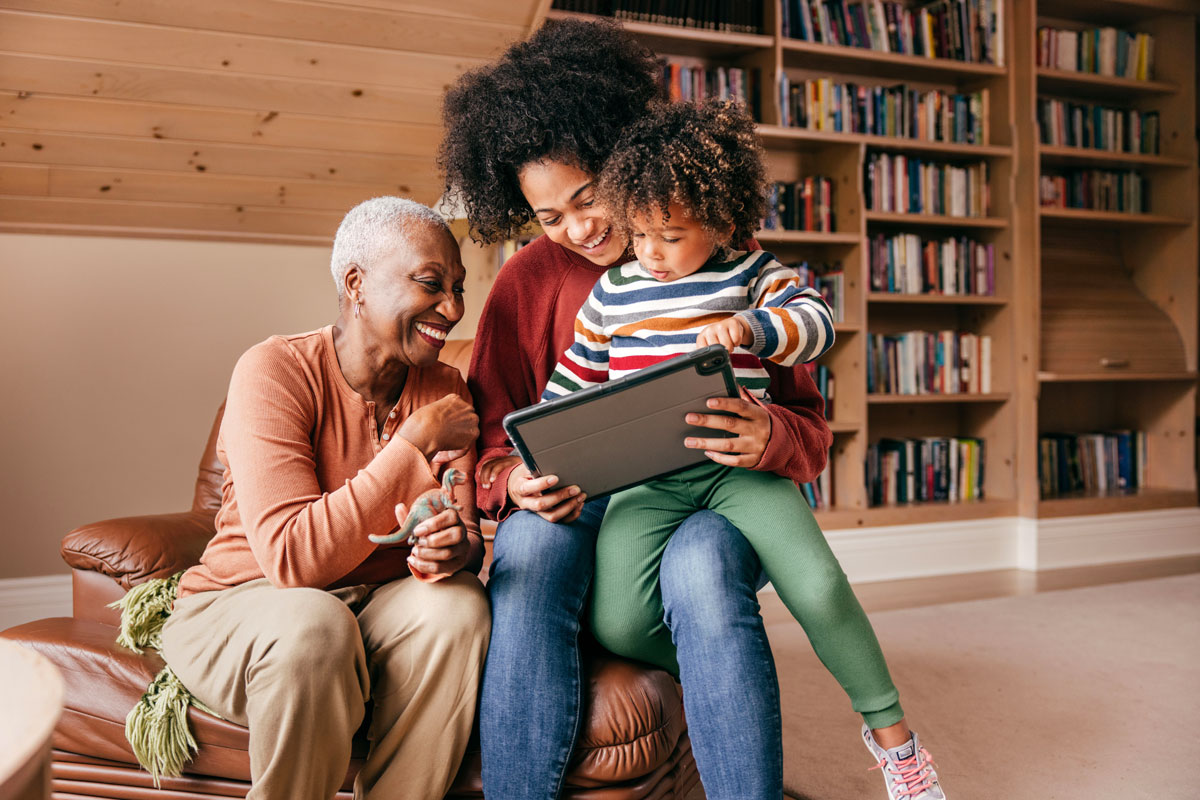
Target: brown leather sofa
633	745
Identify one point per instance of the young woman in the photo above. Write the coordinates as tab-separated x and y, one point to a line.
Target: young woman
526	137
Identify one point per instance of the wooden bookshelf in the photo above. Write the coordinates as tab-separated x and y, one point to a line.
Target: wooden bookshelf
1044	375
1115	294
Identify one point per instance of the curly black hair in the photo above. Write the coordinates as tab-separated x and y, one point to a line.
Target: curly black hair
705	156
566	93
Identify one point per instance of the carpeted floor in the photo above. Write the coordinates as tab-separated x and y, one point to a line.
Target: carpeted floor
1084	694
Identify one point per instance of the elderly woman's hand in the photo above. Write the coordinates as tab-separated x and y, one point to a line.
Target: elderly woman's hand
442	547
446	424
749	422
534	494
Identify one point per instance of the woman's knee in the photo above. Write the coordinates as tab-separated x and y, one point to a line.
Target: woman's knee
529	549
312	616
455	610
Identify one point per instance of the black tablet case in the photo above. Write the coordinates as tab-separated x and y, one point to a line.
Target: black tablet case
629	430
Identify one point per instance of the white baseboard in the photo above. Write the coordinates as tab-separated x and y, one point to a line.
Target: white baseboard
1110	538
26	599
914	551
946	548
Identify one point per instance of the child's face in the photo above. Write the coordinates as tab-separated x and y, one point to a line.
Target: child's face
673	248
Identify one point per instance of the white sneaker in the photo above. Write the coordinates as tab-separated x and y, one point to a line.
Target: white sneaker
907	769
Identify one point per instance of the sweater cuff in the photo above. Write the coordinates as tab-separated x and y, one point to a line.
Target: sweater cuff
757	331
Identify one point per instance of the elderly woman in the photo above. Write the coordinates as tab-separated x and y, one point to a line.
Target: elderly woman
294	618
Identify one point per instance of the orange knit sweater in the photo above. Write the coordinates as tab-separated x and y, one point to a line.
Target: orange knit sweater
308	476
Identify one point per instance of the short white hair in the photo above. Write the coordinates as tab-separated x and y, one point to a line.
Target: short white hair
372	229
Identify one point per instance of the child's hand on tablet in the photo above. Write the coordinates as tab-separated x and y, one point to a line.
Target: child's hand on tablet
732	332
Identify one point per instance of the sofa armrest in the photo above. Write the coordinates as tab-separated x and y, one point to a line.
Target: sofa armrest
131	550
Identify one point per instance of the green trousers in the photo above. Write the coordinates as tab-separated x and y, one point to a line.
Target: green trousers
774	517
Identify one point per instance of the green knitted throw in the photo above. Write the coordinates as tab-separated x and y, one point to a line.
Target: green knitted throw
157	727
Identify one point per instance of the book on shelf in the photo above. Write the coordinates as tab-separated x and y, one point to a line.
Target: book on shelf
1095	190
1098	463
829	280
726	16
1100	51
962	30
924	470
1116	130
822	104
687	81
929	362
907	263
903	184
819	493
823	377
805	205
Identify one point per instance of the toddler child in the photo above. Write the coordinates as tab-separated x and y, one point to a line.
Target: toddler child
684	183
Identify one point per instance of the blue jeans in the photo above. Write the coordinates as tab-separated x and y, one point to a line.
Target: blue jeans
532	682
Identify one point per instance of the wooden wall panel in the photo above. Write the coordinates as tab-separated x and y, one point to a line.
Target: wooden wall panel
258	120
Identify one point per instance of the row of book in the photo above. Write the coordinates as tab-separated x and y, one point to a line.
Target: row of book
963	30
911	264
929	362
926	469
1117	130
823	377
905	185
822	104
805	205
1101	51
819	493
728	16
689	82
1095	190
1092	463
829	280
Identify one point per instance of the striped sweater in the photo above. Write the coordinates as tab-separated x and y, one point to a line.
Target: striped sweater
631	321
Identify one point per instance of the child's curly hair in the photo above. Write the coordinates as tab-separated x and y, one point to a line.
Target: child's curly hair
705	156
567	93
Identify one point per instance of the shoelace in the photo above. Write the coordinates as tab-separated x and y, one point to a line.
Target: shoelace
912	773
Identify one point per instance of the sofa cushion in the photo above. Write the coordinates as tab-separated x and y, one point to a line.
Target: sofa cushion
633	726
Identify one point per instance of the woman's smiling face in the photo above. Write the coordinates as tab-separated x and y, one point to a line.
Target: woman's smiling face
562	197
413	295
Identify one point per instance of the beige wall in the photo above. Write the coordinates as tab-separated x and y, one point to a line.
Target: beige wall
116	355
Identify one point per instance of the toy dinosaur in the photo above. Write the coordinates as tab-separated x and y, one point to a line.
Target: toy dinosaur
429	504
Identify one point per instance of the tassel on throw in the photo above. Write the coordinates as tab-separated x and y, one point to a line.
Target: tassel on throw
144	610
157	728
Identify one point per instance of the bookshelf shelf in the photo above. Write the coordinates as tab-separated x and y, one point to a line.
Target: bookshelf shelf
814	55
1081	155
1144	500
1059	81
936	220
802	137
839	428
807	237
914	513
961	397
678	40
896	298
846	327
1105	377
1082	216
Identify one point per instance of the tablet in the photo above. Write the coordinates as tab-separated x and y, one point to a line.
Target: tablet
629	430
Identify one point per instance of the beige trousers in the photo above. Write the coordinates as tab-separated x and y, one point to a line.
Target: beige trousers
296	666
